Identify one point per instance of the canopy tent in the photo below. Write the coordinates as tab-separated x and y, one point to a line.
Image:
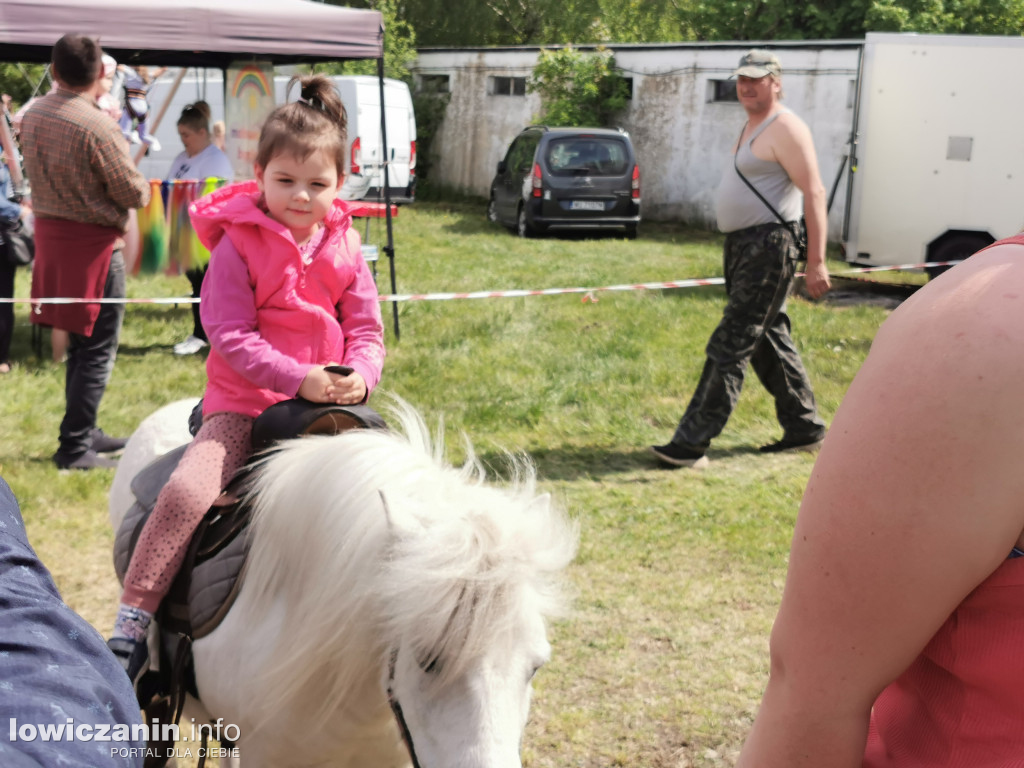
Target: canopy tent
203	33
193	33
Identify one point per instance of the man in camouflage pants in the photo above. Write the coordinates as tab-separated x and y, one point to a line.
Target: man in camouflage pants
775	153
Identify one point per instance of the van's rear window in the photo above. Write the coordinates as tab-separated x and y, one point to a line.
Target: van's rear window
586	155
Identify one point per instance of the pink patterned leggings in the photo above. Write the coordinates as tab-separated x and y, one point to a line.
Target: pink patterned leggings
223	444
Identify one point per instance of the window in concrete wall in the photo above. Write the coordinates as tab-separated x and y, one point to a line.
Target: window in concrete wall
435	84
499	85
722	90
629	87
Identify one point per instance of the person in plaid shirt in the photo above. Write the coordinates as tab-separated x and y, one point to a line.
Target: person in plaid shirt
83	185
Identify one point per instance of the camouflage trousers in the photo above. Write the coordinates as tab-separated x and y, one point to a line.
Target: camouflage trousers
760	264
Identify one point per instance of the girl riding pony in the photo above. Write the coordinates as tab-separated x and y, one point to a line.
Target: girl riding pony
287	294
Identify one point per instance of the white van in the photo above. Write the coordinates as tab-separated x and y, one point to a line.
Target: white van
361	96
359	93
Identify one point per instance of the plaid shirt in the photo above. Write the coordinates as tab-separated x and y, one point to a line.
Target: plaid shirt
77	161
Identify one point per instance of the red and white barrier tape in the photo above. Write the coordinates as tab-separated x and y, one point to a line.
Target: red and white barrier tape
514	293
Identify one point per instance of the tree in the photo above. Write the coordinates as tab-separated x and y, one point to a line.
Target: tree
399	44
974	17
642	21
20	80
578	88
556	22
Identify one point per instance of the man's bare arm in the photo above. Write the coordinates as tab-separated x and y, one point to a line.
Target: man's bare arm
794	150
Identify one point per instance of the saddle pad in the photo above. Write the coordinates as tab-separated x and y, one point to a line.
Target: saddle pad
214	581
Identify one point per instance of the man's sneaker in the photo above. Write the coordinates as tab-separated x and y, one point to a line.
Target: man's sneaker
189	346
809	444
677	456
133	655
88	460
104	443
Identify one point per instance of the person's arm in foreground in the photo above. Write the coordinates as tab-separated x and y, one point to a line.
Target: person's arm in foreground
56	670
794	148
915	499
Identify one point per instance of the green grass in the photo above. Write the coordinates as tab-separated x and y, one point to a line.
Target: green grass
679	573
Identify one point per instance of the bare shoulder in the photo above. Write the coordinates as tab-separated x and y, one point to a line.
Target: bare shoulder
789	128
978	305
787	140
939	398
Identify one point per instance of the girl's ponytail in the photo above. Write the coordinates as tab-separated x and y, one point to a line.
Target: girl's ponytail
318	92
316	122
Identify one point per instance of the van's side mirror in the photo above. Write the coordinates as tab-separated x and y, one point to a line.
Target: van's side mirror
501	166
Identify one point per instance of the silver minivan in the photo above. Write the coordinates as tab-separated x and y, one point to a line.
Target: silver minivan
567	179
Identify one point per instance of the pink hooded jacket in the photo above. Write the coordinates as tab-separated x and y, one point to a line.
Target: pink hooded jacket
269	316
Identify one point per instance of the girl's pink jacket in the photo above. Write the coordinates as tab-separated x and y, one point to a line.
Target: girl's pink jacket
269	317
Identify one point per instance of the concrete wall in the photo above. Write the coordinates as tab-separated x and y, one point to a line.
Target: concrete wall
682	136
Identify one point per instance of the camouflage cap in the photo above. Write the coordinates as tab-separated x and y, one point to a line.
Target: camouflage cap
759	63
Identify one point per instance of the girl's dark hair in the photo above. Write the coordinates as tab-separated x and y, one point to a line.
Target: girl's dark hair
196	116
316	122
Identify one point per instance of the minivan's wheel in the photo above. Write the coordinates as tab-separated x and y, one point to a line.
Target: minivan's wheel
956	248
631	231
492	210
523	226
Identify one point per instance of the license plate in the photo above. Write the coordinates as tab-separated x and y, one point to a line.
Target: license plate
587	205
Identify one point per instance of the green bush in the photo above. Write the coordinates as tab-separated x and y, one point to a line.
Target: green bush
578	88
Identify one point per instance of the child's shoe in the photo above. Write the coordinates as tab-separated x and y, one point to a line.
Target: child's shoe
133	655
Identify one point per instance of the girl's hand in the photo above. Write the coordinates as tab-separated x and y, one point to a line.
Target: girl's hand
322	386
314	386
347	390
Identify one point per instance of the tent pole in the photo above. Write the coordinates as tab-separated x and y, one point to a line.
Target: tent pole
389	249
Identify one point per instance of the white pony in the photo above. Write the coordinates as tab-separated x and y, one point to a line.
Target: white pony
378	577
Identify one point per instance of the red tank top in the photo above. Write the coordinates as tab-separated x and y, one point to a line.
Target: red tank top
961	703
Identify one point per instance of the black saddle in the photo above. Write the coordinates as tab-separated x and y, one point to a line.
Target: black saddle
208	580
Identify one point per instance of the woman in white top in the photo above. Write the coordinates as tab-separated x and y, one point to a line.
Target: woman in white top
200	160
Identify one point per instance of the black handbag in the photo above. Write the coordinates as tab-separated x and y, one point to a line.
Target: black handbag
19	242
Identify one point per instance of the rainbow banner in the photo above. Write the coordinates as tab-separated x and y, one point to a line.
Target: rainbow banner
186	251
248	102
167	241
153	232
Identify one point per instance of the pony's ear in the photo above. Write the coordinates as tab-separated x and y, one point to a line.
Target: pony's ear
401	522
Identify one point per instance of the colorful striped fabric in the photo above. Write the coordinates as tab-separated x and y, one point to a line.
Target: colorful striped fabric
152	233
168	241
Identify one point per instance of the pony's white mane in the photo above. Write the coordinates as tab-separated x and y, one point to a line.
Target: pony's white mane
403	546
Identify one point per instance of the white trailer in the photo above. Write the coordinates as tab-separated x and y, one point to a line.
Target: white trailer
937	167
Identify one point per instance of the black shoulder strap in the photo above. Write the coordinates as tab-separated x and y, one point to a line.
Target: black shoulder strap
746	181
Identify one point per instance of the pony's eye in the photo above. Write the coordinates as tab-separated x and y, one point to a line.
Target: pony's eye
431	665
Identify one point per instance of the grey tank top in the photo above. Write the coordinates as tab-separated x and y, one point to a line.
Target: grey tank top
737	207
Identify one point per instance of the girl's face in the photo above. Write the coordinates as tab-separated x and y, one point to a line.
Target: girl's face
299	194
